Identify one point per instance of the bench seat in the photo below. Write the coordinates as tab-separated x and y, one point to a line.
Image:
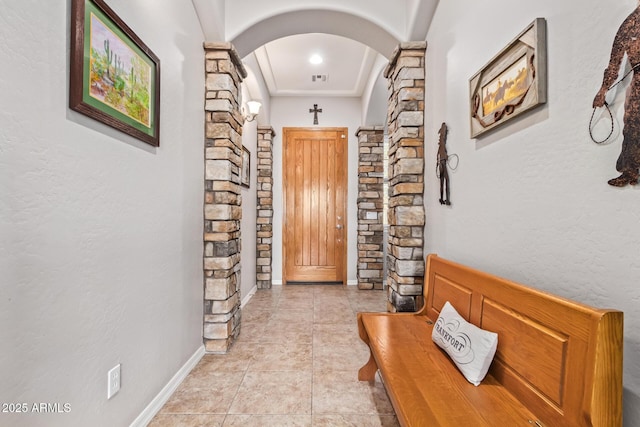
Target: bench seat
439	394
558	362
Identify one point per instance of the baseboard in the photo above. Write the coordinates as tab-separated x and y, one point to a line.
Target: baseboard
349	282
158	402
251	293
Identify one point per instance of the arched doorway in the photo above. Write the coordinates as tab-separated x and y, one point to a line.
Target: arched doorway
225	73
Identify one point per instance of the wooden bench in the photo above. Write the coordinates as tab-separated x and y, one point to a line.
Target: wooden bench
558	362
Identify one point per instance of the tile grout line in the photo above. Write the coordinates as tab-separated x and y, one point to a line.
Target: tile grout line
313	351
325	324
246	370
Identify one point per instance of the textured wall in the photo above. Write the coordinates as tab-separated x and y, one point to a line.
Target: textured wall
405	255
370	207
100	234
530	201
263	251
223	197
248	222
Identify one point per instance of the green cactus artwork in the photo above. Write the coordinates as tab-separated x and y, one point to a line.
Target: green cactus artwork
119	77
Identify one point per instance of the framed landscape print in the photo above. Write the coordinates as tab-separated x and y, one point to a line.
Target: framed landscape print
513	82
114	76
245	170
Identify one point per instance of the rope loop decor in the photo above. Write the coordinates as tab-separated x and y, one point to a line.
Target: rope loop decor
633	69
591	125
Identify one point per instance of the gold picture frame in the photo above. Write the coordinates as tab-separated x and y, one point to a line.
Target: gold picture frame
513	82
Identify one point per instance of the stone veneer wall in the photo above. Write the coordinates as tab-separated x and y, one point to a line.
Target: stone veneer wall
405	74
370	207
222	204
264	243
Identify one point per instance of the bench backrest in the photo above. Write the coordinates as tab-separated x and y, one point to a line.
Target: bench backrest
562	359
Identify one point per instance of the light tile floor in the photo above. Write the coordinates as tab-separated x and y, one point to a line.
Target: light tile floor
295	364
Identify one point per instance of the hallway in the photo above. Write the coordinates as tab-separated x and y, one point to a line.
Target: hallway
295	364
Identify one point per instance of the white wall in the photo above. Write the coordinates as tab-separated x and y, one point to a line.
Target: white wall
211	14
100	234
336	112
390	16
375	97
255	89
530	202
249	212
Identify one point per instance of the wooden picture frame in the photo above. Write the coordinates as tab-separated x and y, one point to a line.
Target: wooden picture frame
513	82
114	76
245	168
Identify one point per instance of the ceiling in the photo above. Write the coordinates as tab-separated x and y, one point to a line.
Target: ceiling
354	37
287	71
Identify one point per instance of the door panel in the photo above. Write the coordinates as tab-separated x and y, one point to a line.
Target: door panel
315	180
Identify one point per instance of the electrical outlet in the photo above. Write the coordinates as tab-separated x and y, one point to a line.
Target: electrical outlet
113	381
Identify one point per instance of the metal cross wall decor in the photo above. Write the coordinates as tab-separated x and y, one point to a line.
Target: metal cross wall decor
315	110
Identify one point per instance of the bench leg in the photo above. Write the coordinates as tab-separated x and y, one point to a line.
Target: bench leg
368	371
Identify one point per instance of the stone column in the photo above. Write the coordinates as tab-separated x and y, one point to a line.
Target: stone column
405	74
222	201
265	207
370	207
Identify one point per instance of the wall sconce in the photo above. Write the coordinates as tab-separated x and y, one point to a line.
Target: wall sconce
250	110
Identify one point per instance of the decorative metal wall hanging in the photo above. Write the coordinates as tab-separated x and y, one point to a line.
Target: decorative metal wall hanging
315	110
443	162
513	82
627	40
245	169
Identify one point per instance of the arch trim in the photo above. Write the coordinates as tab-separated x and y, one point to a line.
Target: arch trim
315	21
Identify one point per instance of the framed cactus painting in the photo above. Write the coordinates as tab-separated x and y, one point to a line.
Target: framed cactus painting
114	76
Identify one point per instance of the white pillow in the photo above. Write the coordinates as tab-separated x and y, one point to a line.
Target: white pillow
471	348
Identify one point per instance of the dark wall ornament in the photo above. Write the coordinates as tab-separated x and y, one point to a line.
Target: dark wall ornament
315	110
114	76
513	82
444	161
245	169
626	41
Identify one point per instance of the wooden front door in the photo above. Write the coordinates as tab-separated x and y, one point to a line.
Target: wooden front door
315	195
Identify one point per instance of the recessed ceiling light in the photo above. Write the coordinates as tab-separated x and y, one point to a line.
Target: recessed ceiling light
315	59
